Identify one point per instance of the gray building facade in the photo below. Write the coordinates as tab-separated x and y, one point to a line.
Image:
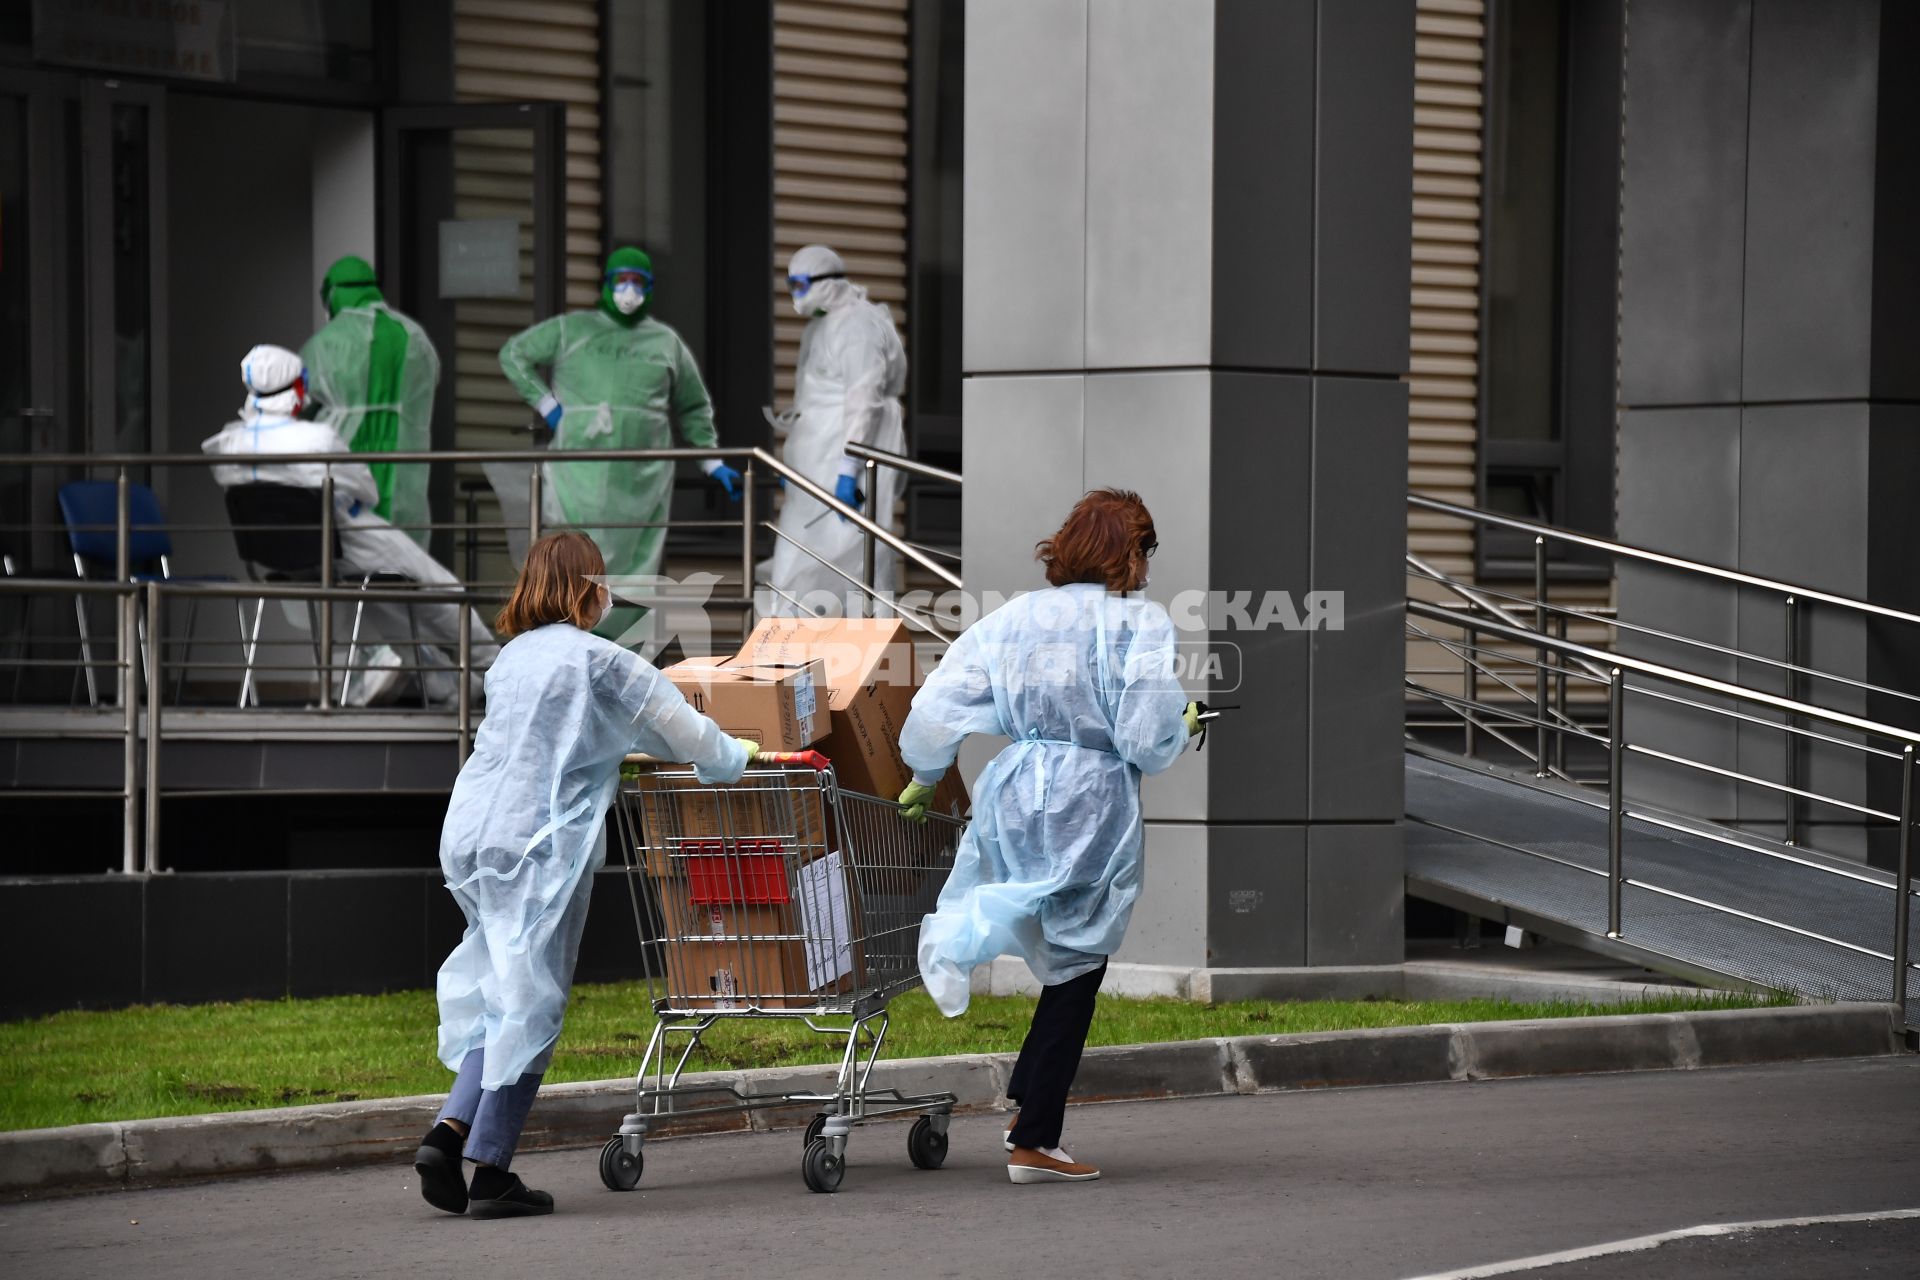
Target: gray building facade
1769	322
1187	253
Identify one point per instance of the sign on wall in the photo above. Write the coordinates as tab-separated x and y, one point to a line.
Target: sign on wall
480	258
177	39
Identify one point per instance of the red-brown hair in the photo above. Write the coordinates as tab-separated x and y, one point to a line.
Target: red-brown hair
1105	539
555	585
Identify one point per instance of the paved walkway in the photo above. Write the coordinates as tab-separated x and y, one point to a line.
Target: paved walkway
1370	1184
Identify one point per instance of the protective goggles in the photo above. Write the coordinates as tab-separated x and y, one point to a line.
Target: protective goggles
629	275
800	284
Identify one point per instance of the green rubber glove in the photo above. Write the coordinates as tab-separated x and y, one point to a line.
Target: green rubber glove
913	801
753	748
1192	716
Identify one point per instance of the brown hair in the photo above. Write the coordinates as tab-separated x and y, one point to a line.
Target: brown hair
1106	539
555	586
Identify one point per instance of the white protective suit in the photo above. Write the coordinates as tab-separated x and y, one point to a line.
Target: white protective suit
368	544
851	373
522	837
1083	681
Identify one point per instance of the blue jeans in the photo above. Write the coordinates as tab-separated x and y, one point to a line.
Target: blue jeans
493	1116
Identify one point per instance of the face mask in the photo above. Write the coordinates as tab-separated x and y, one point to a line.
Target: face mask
628	298
606	607
801	307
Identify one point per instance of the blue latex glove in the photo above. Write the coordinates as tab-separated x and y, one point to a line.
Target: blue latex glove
553	417
848	491
729	480
913	801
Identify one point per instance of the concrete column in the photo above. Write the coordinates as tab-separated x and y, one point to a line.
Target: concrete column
1770	308
1187	247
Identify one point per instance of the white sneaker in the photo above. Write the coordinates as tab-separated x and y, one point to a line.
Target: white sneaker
377	681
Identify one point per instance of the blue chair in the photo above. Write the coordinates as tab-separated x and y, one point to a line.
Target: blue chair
91	511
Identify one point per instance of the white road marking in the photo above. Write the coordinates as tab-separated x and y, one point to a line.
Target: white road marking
1638	1243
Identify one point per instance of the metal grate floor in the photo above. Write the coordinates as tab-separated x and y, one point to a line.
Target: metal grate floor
1491	808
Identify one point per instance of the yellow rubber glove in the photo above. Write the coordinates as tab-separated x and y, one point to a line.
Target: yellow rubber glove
913	801
1192	716
753	748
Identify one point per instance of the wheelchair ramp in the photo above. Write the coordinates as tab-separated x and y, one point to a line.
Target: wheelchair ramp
1535	855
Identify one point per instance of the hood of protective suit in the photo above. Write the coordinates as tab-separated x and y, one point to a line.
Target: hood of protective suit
822	296
276	383
630	259
349	283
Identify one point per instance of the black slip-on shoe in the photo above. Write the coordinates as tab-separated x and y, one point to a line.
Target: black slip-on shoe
517	1201
442	1182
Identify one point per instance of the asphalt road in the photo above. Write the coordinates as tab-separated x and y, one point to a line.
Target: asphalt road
1363	1183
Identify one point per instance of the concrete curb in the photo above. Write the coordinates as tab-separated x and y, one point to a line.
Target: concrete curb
145	1152
1409	980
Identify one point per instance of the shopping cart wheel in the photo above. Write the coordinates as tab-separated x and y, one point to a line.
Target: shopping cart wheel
814	1126
821	1168
927	1149
619	1169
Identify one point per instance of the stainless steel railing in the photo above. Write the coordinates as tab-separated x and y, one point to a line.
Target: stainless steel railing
1795	600
1573	660
143	735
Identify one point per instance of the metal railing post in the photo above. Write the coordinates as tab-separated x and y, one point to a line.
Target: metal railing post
1540	658
471	534
1903	879
1472	680
1616	796
126	611
466	683
871	474
326	581
1792	743
746	543
124	639
533	505
155	685
1560	695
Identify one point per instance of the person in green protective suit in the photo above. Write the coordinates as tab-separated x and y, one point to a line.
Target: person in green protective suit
619	378
373	371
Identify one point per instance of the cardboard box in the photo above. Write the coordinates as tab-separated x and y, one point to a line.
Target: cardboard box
778	705
748	930
870	676
680	817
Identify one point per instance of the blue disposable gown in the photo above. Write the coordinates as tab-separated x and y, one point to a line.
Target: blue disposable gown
1050	866
522	836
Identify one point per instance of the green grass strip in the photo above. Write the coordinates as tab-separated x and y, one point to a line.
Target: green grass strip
171	1060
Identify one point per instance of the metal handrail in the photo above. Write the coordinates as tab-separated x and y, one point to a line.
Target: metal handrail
327	593
1673	675
1474	515
900	462
1428	574
1618	748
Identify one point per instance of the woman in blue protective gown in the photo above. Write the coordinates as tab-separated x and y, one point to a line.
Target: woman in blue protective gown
1082	678
521	842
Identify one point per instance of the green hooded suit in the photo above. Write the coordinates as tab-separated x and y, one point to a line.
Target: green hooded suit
620	381
373	371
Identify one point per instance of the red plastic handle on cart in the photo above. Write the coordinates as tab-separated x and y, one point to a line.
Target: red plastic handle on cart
805	759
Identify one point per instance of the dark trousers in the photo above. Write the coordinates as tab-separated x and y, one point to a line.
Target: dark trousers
1050	1058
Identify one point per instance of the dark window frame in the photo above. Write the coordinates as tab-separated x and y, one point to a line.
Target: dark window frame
1573	473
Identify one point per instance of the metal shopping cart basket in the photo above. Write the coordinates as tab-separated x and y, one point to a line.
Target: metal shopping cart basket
780	896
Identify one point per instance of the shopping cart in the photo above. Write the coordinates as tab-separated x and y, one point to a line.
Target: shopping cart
780	896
